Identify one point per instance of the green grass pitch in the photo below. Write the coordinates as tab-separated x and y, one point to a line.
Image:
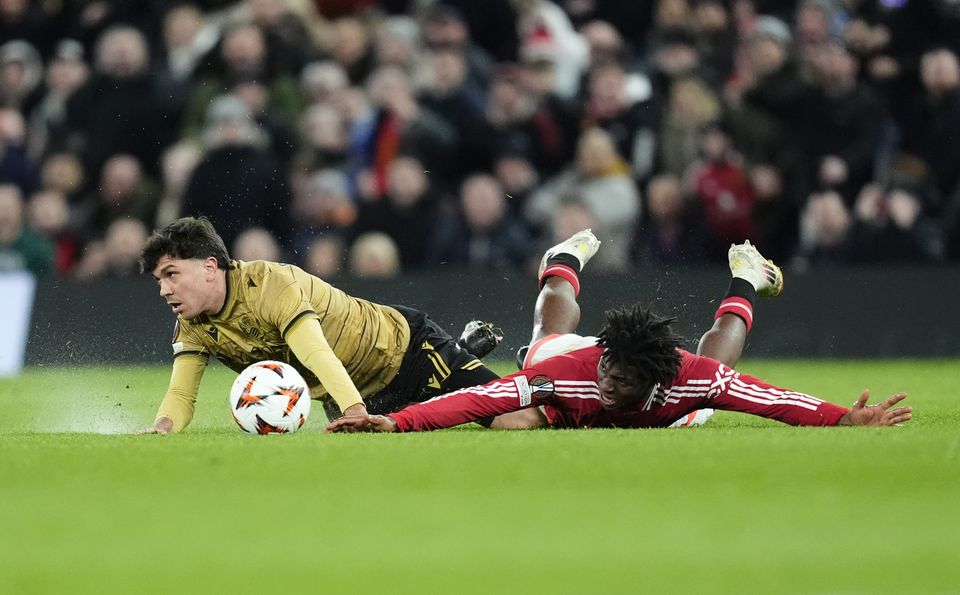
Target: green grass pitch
742	505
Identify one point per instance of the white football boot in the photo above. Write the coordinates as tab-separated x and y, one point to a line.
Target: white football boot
694	418
583	245
747	263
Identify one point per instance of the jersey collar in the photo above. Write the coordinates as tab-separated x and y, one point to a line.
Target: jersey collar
230	300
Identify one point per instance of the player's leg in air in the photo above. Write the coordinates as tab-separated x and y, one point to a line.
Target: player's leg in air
557	311
753	275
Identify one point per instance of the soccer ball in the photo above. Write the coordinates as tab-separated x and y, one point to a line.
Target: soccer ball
270	398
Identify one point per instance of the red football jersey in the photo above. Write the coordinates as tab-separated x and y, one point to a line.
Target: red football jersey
560	375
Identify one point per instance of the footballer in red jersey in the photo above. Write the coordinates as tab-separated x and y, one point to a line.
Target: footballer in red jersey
633	374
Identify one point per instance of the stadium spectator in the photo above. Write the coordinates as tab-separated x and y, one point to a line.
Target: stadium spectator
672	232
691	105
409	213
121	108
825	224
66	72
374	255
16	167
177	165
322	81
322	206
631	122
49	215
722	188
243	56
256	243
64	173
115	255
762	94
518	177
397	42
350	45
236	182
484	233
894	225
325	257
21	248
403	127
187	39
602	182
124	192
838	127
21	72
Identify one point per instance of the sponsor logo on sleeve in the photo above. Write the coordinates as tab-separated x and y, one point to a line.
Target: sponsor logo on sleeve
523	389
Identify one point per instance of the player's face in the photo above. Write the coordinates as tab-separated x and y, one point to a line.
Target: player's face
620	385
187	285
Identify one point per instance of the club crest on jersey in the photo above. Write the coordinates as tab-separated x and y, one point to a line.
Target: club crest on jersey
541	386
214	333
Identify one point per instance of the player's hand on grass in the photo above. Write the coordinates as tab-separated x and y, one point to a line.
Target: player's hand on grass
881	414
365	423
163	425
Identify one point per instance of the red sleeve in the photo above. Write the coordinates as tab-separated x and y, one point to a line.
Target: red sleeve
496	397
733	391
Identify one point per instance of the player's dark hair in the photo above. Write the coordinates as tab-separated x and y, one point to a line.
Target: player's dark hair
185	238
637	337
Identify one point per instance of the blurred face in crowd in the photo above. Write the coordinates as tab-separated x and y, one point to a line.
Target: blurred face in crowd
765	55
396	42
244	49
374	256
446	31
715	145
66	75
123	242
664	198
672	14
181	26
189	286
604	41
179	162
63	172
836	67
940	71
349	41
516	174
711	16
48	212
322	80
448	69
256	243
483	202
120	178
607	88
266	12
677	59
323	128
13	9
569	218
325	257
406	181
596	154
386	84
122	53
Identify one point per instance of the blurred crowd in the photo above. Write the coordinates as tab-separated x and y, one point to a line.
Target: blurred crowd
367	138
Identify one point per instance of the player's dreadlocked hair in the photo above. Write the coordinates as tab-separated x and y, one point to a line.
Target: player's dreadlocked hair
184	238
637	337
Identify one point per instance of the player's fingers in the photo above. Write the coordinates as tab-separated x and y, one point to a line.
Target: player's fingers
862	399
893	400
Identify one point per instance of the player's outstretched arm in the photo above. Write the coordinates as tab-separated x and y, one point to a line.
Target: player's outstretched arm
362	423
882	414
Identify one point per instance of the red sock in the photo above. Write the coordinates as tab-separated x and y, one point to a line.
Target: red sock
739	301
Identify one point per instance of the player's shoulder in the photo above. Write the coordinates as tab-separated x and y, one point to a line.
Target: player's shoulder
556	345
266	275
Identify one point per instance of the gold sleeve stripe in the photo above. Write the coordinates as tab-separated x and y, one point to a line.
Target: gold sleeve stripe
294	321
471	365
200	353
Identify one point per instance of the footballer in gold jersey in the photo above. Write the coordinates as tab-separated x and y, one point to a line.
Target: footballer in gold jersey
348	349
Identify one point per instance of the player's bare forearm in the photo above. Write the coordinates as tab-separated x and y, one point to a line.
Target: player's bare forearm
557	310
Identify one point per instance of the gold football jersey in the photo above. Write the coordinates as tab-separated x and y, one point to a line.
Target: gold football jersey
265	299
